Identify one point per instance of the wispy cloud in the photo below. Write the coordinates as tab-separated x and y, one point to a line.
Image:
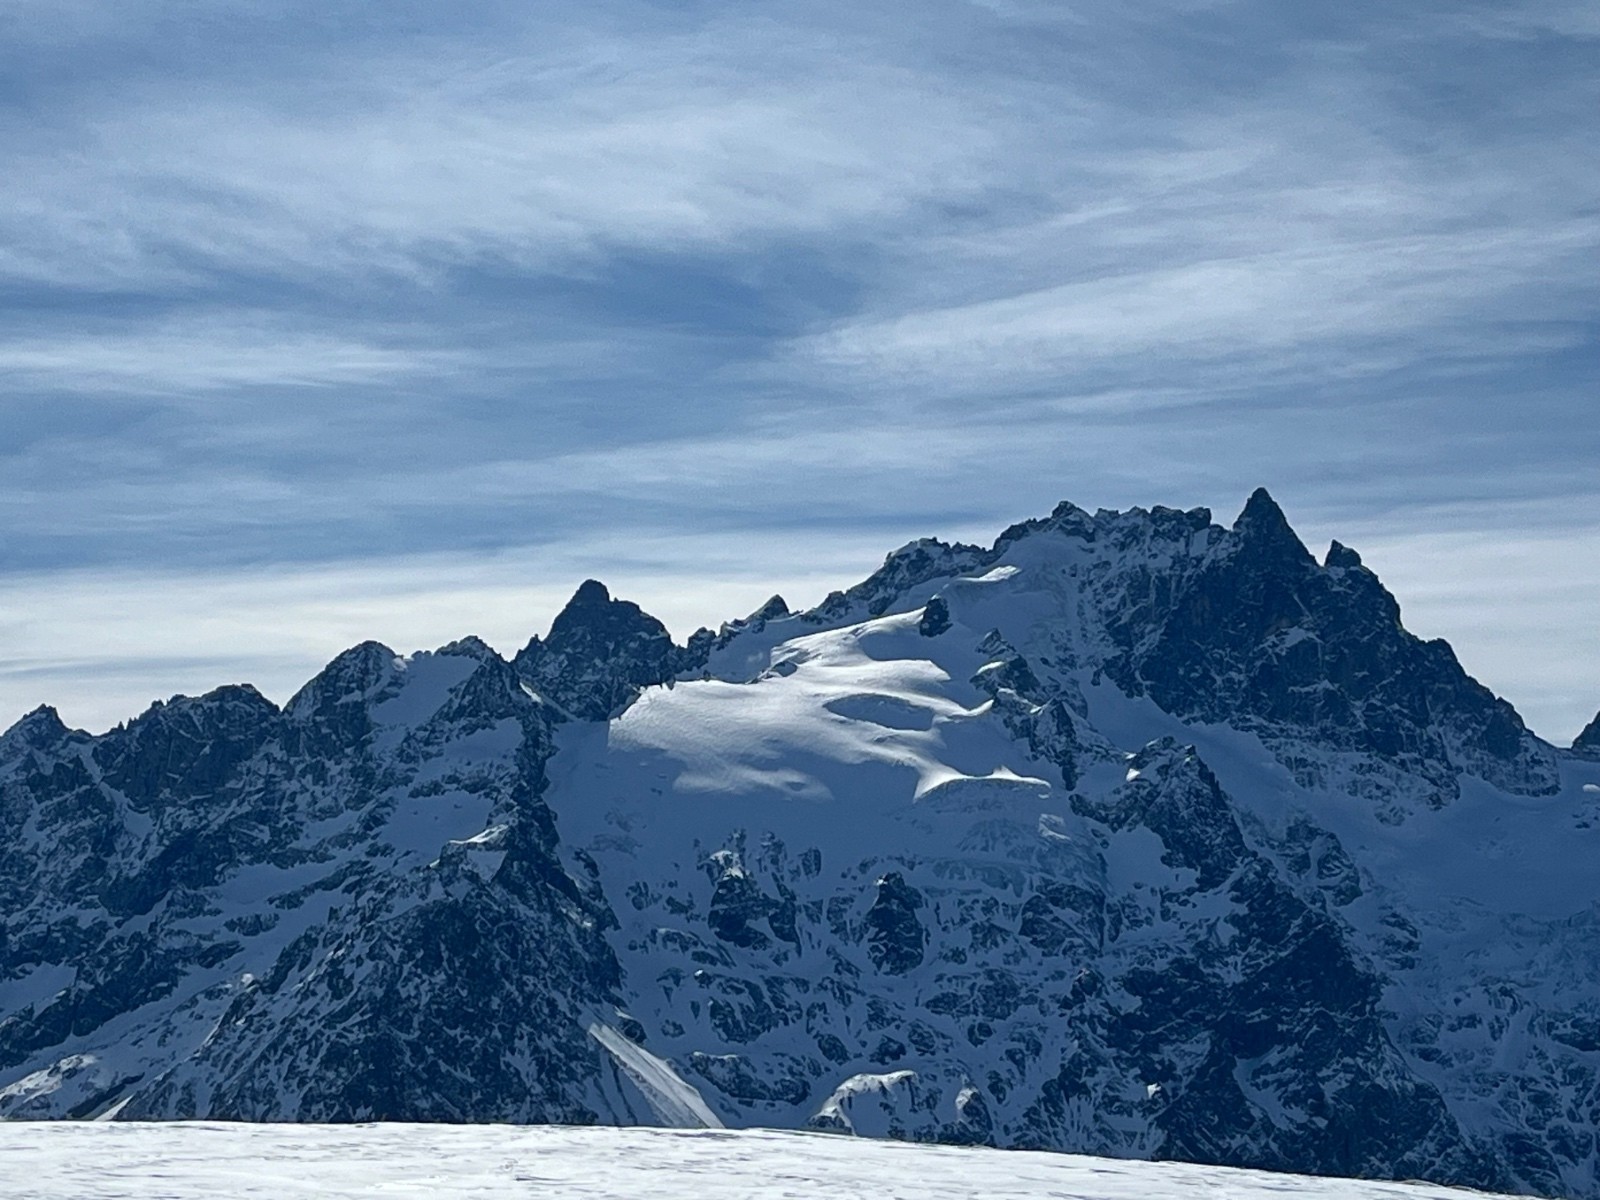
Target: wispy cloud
306	284
207	356
415	155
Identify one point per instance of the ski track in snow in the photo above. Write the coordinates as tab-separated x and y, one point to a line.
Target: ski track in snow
214	1161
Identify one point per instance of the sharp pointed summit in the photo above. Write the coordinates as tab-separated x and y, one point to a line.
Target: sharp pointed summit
1587	743
1262	525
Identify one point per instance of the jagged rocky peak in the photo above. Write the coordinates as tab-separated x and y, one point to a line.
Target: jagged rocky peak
910	566
591	595
1045	888
1263	528
358	674
775	607
1259	636
184	749
1340	557
470	647
40	729
1123	529
1587	743
233	705
1235	625
598	655
332	713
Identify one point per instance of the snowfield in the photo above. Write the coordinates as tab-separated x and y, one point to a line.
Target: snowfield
213	1161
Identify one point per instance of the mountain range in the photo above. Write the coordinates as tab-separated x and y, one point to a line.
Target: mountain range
1130	834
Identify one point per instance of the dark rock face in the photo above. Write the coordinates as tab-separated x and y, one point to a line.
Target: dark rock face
361	977
600	652
1255	636
1291	1061
184	751
40	729
895	936
1051	721
1183	805
1587	743
935	618
451	997
738	906
332	713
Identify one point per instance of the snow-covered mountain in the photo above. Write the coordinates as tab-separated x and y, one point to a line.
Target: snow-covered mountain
1129	835
199	1161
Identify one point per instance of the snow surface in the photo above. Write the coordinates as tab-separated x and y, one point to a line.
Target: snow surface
211	1161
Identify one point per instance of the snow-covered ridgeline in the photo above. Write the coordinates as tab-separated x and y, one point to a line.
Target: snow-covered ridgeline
1130	834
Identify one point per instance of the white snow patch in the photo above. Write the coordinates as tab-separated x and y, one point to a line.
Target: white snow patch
50	1079
865	1104
675	1102
997	575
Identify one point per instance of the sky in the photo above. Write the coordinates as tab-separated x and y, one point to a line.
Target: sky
327	321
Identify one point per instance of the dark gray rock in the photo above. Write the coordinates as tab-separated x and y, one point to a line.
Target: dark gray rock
600	653
1256	636
935	618
1172	793
1587	743
452	998
426	990
895	936
909	566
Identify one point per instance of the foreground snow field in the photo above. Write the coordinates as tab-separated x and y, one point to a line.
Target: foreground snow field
211	1161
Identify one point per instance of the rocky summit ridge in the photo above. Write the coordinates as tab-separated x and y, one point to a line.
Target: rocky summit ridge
1130	834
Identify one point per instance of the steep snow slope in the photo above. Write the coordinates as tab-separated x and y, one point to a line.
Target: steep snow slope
1130	834
443	1162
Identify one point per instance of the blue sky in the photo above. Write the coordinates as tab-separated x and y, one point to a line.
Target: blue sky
326	321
